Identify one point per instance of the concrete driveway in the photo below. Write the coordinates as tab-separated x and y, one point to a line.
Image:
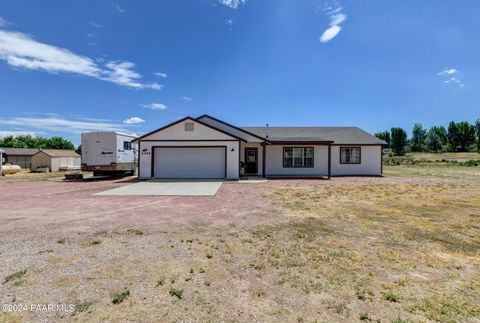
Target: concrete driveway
168	188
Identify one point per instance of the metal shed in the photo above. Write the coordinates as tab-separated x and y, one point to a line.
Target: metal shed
56	160
19	156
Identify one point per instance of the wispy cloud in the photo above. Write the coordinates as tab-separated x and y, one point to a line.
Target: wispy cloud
63	125
4	22
155	106
448	74
161	75
91	35
22	51
232	3
186	98
119	9
94	24
448	71
336	19
133	120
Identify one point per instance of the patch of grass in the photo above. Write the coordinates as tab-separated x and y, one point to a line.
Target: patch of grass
391	297
364	317
120	296
61	241
94	242
178	293
15	275
209	255
364	295
447	309
136	232
83	306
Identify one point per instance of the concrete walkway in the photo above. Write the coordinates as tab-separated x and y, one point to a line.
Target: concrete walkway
168	188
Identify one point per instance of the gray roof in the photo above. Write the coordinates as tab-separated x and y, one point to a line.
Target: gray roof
339	135
20	151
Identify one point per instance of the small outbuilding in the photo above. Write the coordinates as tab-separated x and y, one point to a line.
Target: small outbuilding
56	160
19	156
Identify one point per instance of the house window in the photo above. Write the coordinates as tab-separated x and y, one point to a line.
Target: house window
350	155
189	126
298	157
127	145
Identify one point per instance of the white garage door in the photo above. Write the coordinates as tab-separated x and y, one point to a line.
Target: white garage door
189	162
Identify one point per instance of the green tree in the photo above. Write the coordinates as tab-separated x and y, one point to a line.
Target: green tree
383	135
477	131
433	141
398	141
442	133
59	143
452	136
465	135
418	137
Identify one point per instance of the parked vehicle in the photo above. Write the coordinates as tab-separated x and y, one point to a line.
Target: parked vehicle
109	153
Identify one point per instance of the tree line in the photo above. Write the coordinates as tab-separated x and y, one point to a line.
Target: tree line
458	137
28	141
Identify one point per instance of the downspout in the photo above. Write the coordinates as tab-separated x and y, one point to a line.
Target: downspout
329	161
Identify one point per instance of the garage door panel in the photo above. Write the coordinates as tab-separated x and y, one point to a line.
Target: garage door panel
189	162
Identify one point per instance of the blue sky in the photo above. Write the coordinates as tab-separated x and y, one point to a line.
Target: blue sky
73	66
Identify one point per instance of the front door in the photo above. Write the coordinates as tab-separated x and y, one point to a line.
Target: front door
251	160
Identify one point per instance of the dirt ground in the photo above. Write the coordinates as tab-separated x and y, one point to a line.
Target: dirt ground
399	248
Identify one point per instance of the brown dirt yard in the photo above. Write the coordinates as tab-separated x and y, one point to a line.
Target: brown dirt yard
401	248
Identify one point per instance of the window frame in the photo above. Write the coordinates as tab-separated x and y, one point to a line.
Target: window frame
359	155
303	157
129	145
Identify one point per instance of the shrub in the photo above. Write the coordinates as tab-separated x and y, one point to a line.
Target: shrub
176	292
120	296
15	275
391	297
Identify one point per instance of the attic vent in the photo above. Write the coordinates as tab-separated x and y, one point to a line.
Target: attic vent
189	126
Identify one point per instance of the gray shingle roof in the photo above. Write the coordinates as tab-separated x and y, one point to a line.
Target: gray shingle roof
339	135
20	151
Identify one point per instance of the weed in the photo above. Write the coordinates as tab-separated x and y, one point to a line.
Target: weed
176	292
120	296
364	317
447	309
83	306
15	275
201	270
391	297
209	255
94	242
398	319
61	241
135	232
160	281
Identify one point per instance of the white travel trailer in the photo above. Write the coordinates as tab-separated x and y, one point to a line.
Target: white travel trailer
109	153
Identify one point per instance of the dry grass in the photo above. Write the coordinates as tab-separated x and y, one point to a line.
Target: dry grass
404	247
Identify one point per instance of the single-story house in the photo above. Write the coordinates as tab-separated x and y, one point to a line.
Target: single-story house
206	147
19	156
56	160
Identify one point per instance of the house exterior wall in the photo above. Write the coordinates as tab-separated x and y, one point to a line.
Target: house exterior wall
41	160
259	157
274	161
370	163
20	160
145	163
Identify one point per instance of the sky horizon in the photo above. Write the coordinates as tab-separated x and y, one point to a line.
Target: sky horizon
135	66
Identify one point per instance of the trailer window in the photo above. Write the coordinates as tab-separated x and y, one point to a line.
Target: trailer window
127	145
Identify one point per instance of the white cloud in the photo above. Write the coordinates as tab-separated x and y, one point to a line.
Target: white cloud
229	22
186	98
133	120
22	51
91	35
448	71
336	19
449	78
155	106
59	124
162	75
119	9
15	133
232	3
3	22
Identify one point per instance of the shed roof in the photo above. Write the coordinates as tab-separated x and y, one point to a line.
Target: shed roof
20	151
339	135
59	153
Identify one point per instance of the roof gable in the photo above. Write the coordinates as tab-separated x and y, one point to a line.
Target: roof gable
176	131
58	153
227	127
